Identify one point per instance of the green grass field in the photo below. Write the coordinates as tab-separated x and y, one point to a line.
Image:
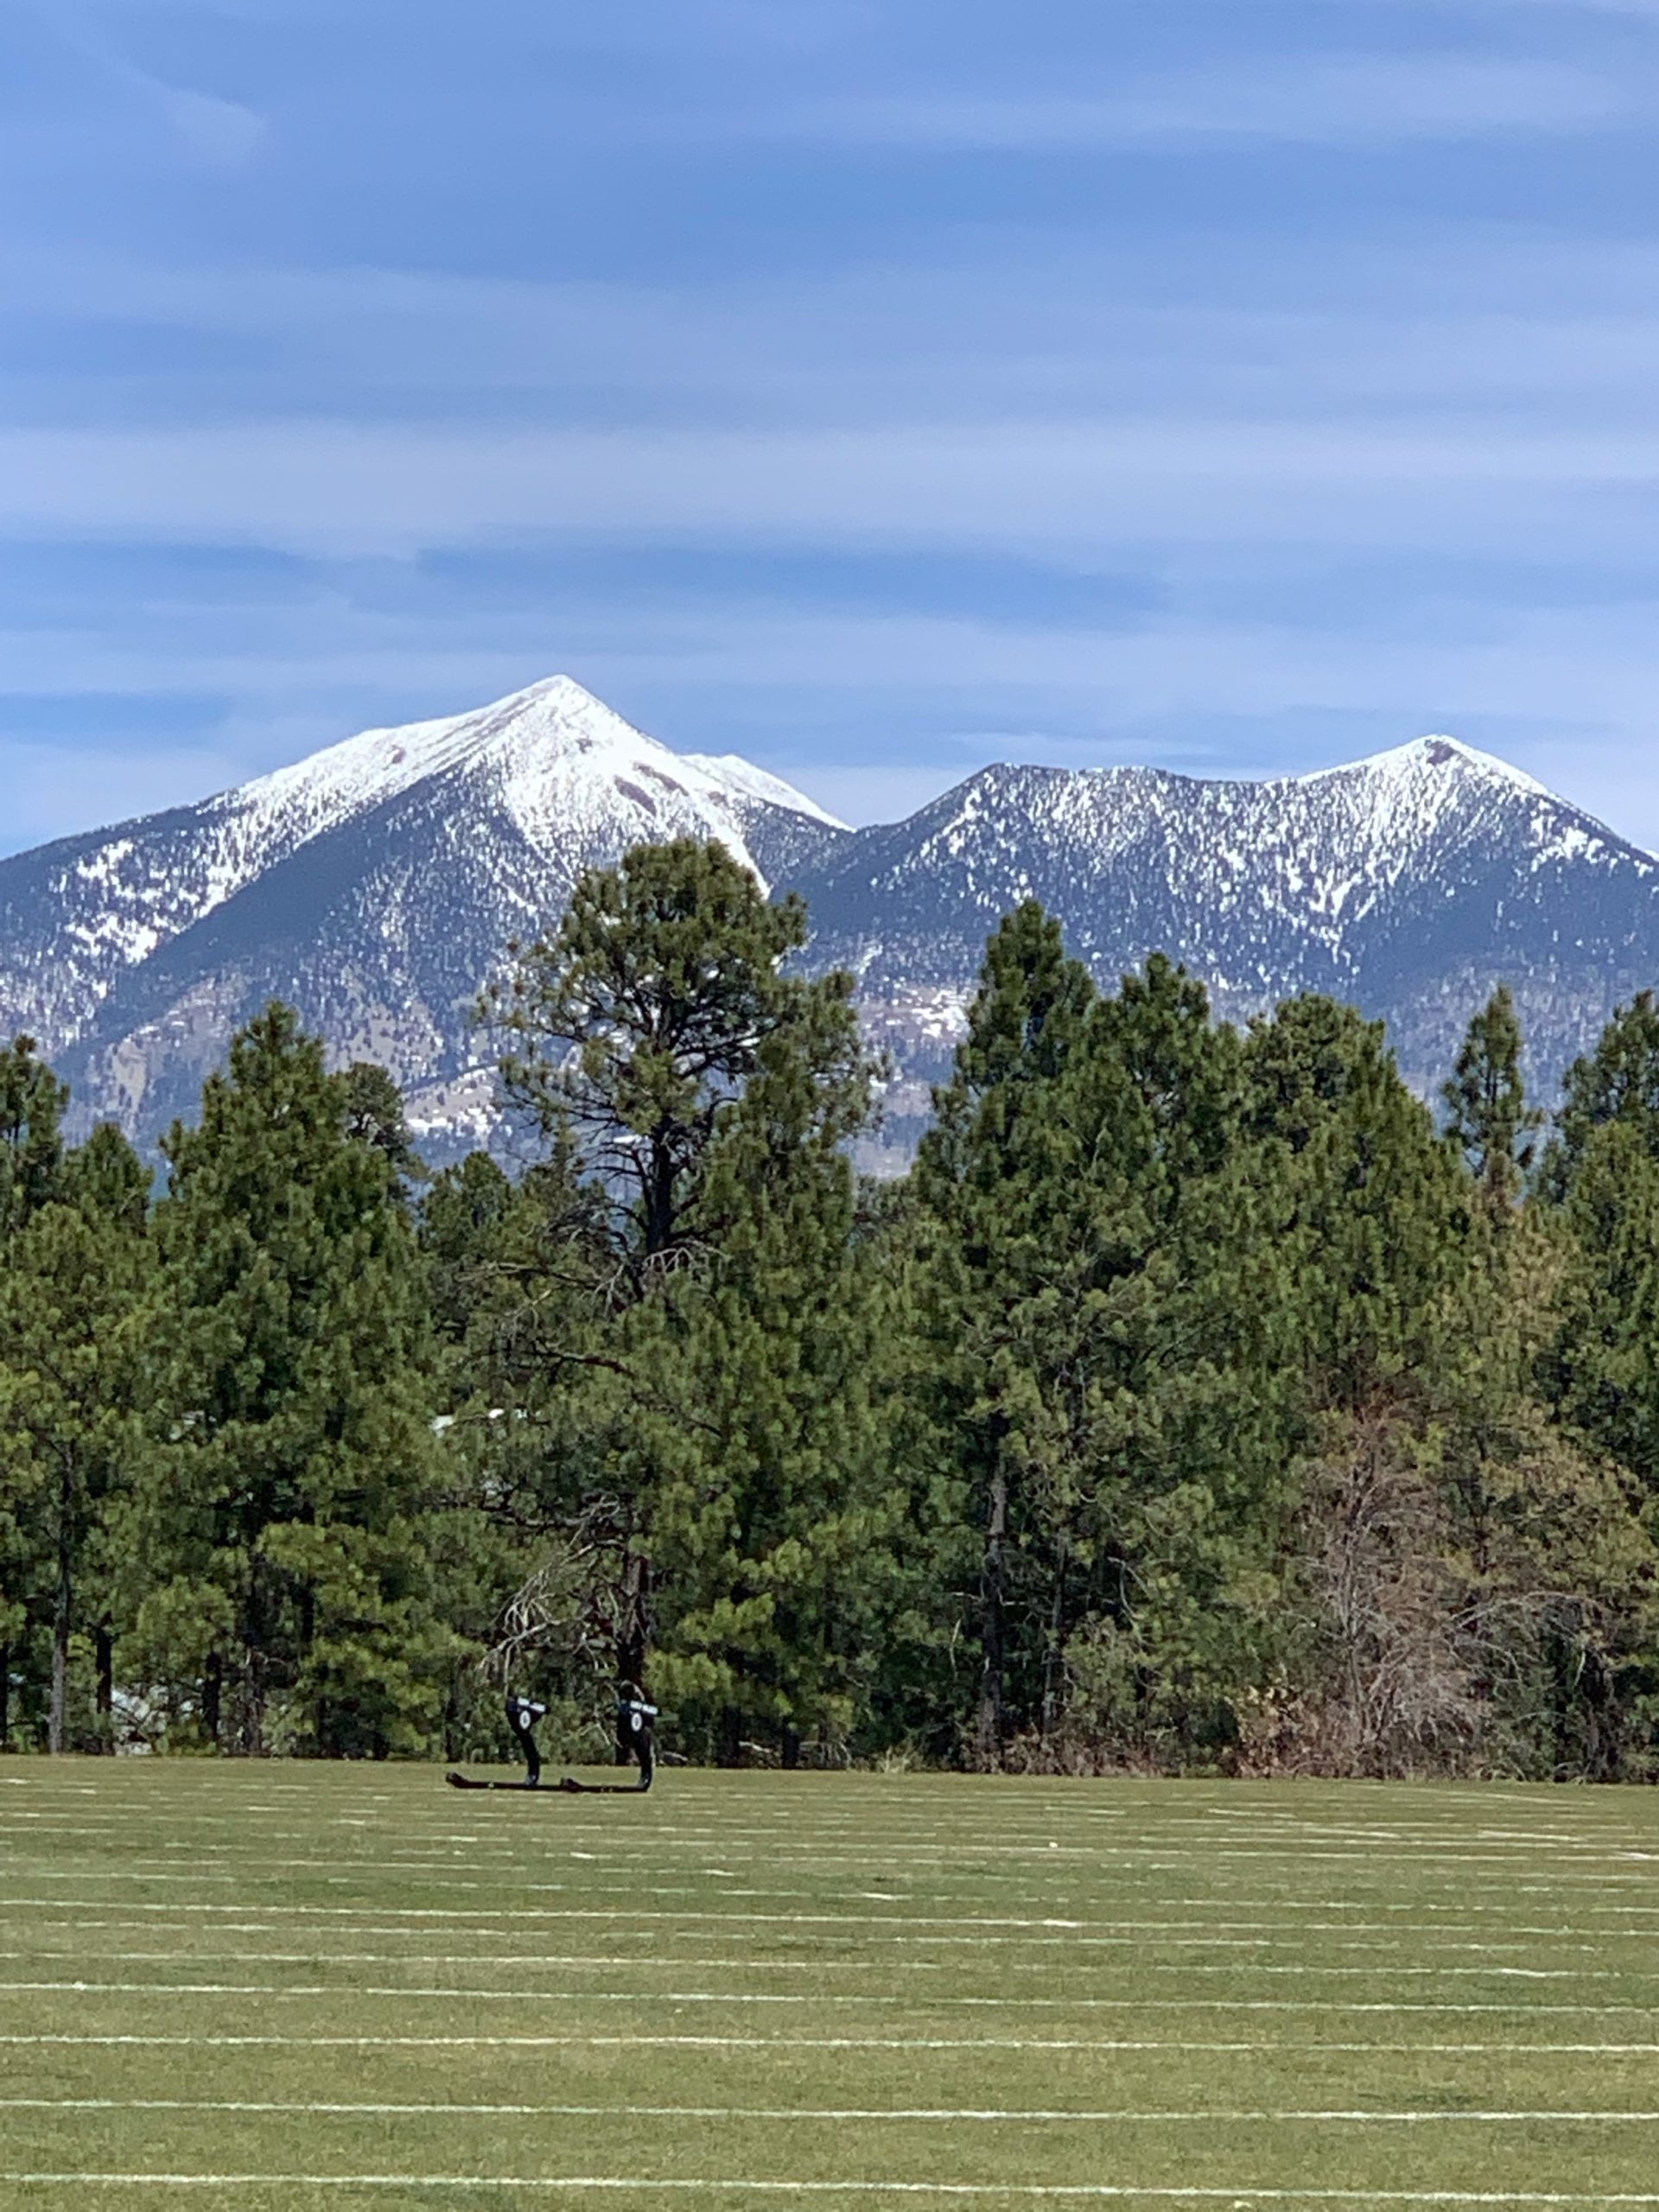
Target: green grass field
284	1986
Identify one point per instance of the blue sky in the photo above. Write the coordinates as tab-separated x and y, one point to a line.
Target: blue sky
873	389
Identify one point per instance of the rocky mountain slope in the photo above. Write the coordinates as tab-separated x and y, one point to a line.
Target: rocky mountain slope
1409	883
375	885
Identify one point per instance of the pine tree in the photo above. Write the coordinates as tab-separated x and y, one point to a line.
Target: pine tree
638	1025
288	1516
76	1378
1487	1115
694	1099
1100	1308
997	1179
1617	1082
32	1101
1377	1236
1598	1370
530	1558
1191	1423
1604	1371
1552	1573
762	1442
1380	1214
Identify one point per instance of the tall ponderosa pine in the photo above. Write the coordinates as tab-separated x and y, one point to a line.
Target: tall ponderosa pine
1487	1115
32	1101
1618	1082
1378	1211
76	1384
287	1516
1375	1235
997	1180
1603	1168
637	1025
533	1566
761	1442
696	1099
1192	1422
1600	1370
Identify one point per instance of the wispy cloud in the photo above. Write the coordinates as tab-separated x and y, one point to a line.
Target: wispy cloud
1318	102
219	132
346	488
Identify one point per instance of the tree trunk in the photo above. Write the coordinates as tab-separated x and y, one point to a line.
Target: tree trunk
1054	1656
660	1172
5	1697
104	1646
252	1743
261	1612
988	1742
213	1693
632	1646
62	1615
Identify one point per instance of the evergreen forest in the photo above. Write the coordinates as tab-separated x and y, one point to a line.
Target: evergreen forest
1202	1401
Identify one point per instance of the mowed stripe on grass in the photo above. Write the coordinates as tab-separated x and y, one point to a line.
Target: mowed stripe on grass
806	1985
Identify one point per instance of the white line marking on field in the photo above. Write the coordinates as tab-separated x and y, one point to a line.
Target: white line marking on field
1443	1935
876	1999
996	2114
868	1959
808	2043
983	1927
1116	2190
531	1961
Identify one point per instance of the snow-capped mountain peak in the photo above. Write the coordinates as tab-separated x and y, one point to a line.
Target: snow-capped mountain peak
535	741
502	805
1435	758
1436	795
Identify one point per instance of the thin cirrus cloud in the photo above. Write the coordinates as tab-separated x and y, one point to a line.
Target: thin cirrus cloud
1495	318
344	487
219	133
1324	103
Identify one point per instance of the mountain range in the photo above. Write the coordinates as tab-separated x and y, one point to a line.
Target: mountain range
376	884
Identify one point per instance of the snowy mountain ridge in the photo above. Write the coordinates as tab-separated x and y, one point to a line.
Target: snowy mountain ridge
556	760
376	884
1409	882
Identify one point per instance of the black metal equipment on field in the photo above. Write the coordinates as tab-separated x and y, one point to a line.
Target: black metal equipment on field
636	1726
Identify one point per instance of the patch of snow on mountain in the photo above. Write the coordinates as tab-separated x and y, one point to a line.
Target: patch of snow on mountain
735	774
1401	762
